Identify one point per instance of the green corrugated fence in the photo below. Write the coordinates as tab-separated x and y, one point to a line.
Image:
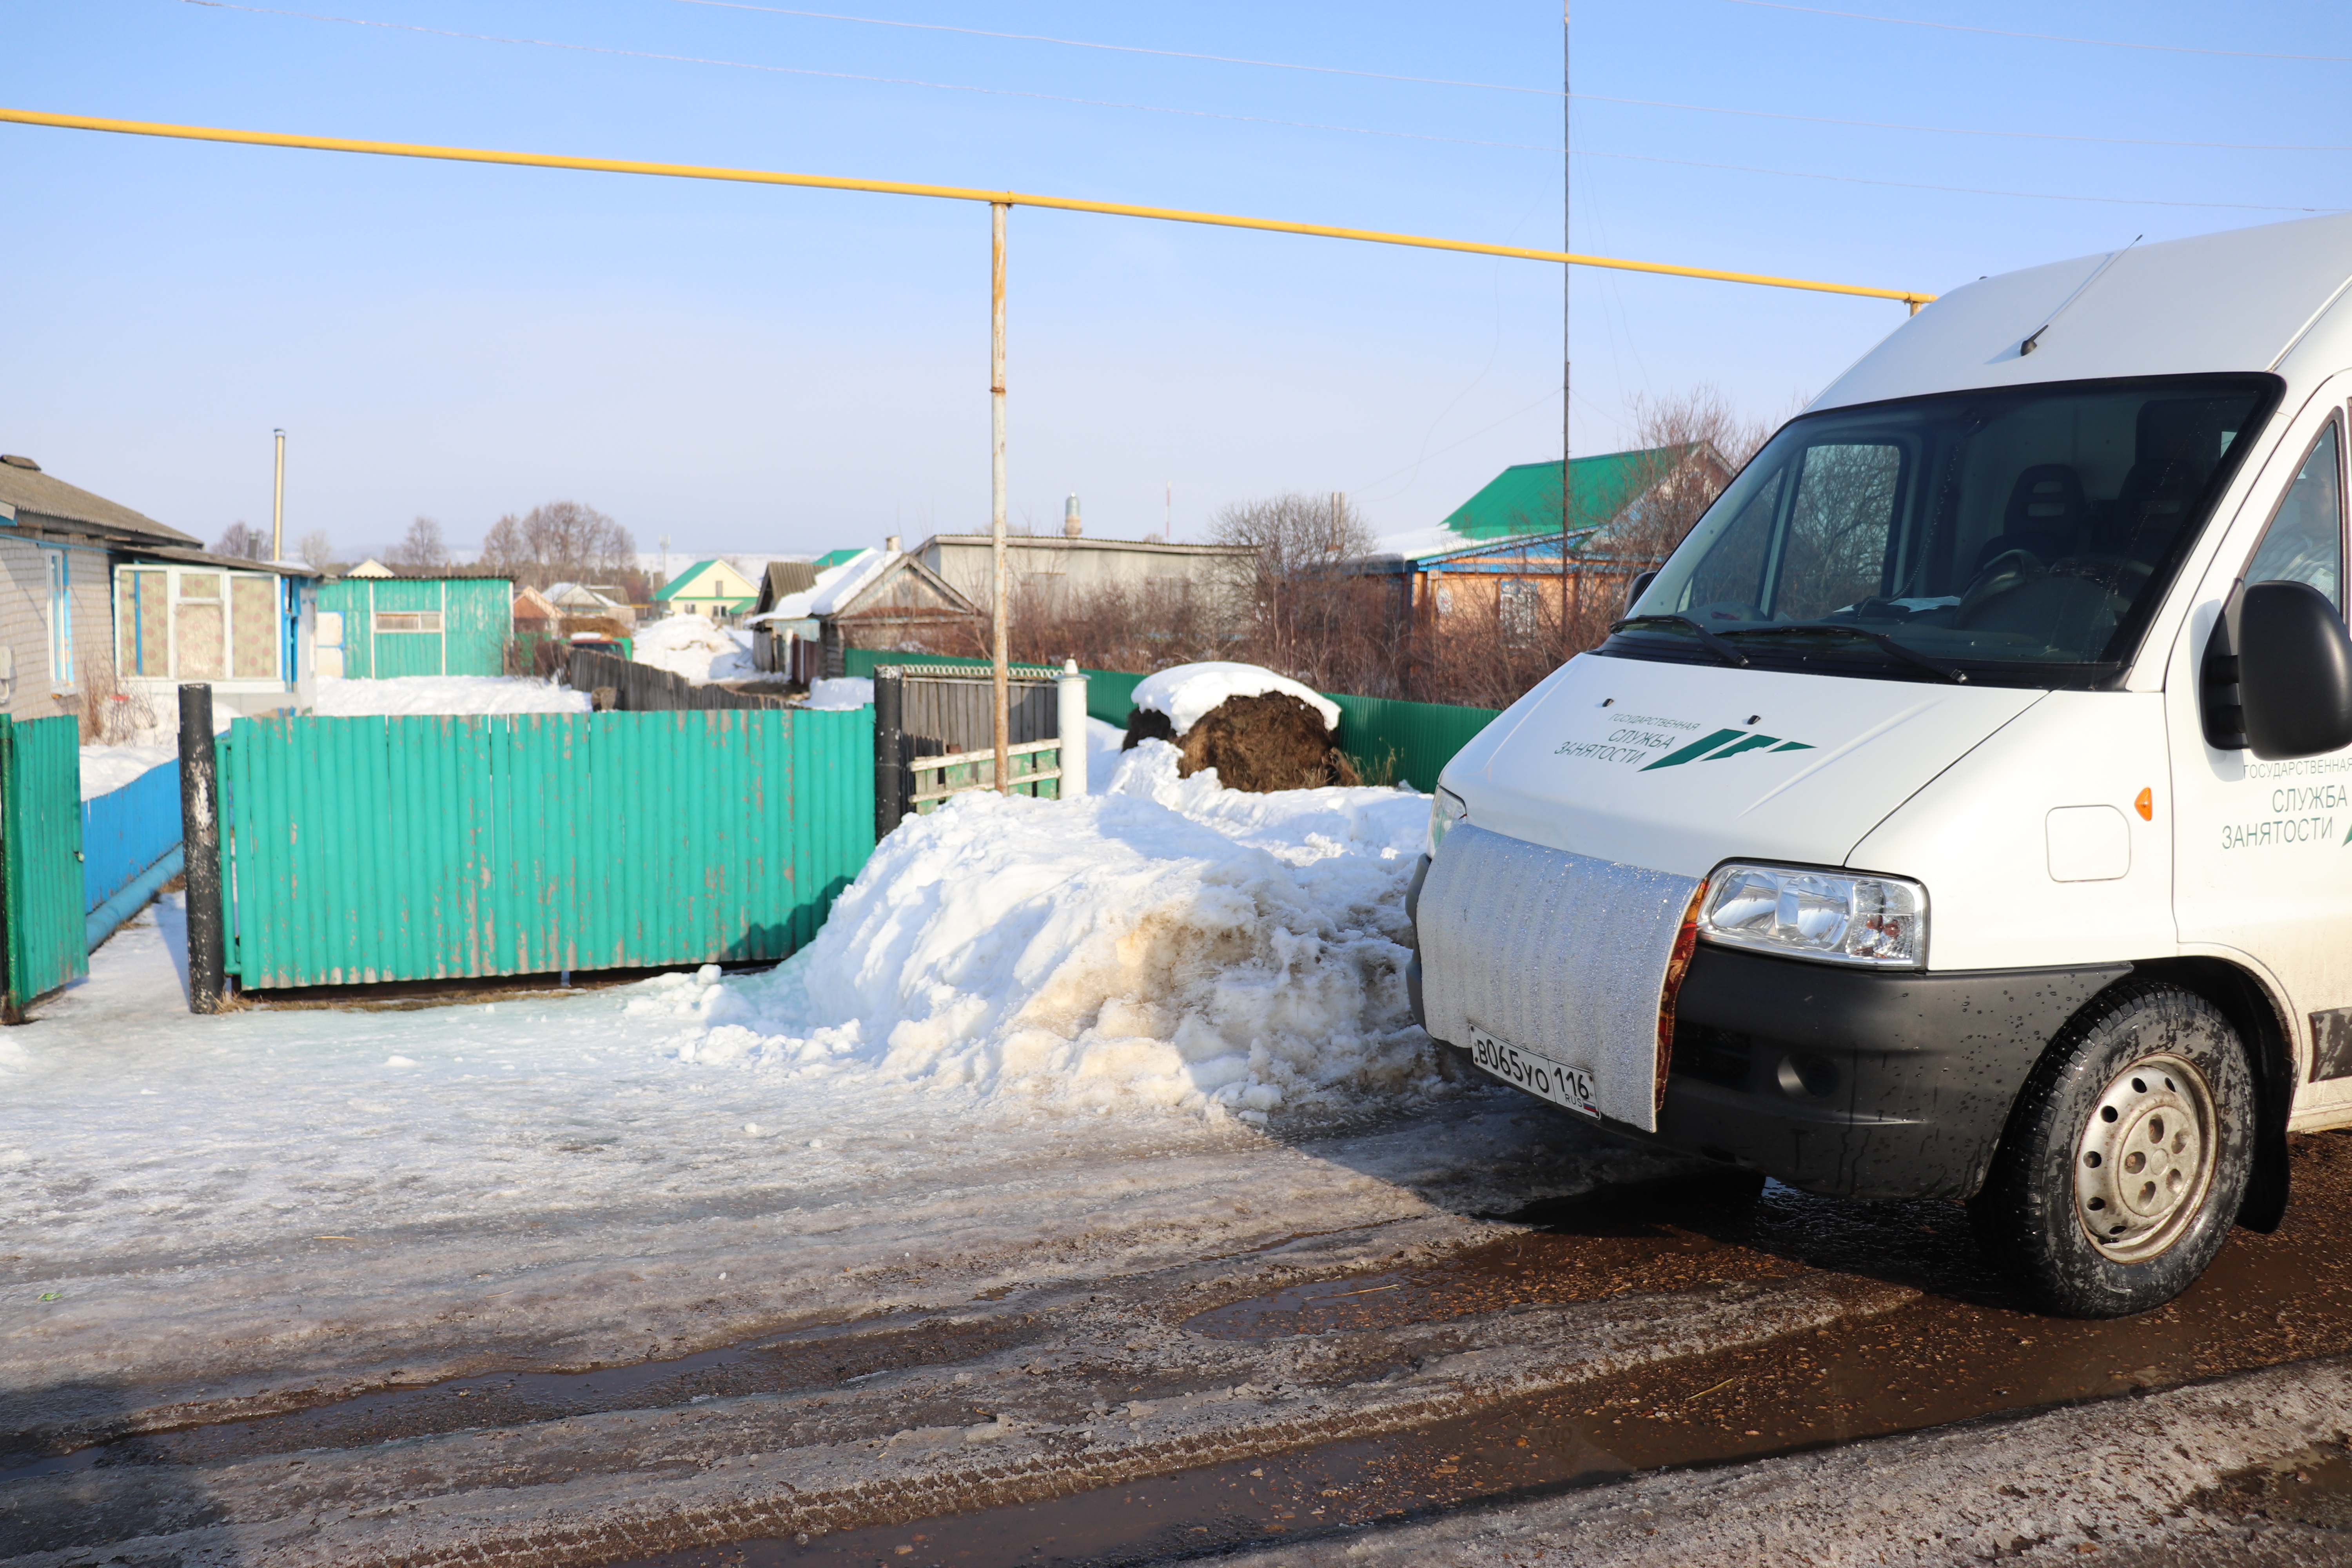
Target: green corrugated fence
40	858
1393	742
363	850
1401	742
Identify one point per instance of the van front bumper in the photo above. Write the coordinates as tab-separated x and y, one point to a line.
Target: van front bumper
1855	1083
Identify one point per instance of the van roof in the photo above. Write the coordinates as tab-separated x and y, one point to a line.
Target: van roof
2232	302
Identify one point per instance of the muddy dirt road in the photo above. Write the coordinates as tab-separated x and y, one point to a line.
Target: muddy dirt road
1408	1375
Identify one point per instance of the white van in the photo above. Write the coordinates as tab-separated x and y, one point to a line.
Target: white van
1965	810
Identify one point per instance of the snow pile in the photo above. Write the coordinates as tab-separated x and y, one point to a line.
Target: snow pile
840	693
1172	943
695	648
445	694
1187	691
108	768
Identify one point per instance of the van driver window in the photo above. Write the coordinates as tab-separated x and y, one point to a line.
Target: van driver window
2305	542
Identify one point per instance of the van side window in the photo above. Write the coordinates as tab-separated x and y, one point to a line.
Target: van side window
2305	542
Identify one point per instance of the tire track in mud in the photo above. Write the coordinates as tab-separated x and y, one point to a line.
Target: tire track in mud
1114	1387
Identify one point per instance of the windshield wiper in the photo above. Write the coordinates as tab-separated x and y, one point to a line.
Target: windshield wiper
1885	644
1708	640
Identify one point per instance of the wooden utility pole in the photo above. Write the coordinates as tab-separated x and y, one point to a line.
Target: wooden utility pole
997	673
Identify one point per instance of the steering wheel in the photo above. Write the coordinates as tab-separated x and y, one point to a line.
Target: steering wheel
2004	574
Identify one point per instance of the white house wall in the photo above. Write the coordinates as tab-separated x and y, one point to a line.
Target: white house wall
35	693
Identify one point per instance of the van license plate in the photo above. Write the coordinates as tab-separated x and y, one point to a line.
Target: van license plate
1555	1081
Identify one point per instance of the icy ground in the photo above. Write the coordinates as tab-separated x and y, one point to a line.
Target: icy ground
1037	1040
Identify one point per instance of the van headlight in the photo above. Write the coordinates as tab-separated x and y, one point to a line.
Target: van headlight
1879	922
1445	810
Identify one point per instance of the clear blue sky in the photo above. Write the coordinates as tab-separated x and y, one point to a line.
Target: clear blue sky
773	370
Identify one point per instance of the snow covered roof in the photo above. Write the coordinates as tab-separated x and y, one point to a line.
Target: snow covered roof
835	586
1186	693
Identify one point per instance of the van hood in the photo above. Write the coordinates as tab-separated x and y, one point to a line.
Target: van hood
1679	767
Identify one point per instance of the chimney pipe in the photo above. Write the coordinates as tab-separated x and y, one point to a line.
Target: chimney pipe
890	543
1071	528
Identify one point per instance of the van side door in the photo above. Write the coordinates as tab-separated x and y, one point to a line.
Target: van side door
2262	851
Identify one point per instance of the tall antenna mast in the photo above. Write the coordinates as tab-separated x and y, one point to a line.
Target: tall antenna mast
1566	290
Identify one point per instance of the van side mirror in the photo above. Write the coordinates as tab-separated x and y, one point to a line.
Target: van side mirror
2293	670
1639	586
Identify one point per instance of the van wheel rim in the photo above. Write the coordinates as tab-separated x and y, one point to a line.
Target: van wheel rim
2146	1158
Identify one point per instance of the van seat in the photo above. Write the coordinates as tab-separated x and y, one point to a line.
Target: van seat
2045	515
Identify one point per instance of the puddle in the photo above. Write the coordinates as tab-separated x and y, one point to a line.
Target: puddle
2314	1489
818	1358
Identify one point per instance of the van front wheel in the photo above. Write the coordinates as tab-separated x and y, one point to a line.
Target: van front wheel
2125	1157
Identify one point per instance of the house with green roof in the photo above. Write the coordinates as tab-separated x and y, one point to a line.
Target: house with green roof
1500	564
1525	498
711	588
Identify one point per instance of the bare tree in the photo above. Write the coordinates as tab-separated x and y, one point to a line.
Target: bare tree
1303	611
422	549
316	548
1690	446
240	539
560	541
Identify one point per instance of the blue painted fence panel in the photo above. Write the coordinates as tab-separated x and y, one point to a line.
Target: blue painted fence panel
126	830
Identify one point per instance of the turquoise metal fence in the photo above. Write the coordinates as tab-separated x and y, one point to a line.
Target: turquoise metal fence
365	850
1405	742
41	858
1393	742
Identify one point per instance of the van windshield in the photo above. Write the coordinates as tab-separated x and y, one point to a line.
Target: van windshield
2025	534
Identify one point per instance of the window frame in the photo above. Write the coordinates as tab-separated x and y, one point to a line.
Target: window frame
57	615
171	572
376	626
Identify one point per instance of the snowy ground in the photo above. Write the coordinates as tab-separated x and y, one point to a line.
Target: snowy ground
1035	1038
695	648
446	694
109	768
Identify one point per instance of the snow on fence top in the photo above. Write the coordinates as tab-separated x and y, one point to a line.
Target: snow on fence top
1187	691
443	694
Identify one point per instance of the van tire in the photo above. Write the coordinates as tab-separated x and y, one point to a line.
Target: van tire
2182	1124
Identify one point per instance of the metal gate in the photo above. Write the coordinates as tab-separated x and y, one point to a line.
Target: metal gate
41	947
363	850
939	720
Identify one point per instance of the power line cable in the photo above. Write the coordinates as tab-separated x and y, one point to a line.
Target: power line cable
1260	120
857	76
1210	114
1954	190
1965	130
1120	49
2044	37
